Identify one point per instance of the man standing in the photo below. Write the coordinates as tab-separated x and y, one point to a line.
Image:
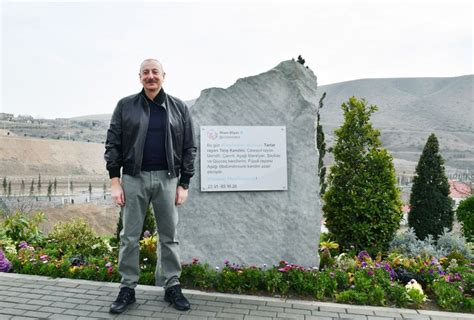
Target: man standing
151	138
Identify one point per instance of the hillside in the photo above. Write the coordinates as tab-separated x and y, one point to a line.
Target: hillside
29	157
409	110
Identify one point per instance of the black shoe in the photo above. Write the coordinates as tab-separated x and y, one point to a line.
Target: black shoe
126	297
175	296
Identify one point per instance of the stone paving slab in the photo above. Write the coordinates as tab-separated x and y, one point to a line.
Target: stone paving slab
36	297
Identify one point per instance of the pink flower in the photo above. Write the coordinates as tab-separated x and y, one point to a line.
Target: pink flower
285	269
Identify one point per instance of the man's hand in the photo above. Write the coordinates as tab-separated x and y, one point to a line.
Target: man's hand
181	195
117	192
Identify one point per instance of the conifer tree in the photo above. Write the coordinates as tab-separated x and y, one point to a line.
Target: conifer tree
362	203
431	208
32	187
50	189
321	145
4	185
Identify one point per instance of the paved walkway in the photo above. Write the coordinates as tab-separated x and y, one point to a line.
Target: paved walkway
35	297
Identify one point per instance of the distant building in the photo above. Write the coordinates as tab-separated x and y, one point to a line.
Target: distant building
25	118
6	116
458	191
61	120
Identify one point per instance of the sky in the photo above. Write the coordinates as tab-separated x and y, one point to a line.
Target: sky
65	59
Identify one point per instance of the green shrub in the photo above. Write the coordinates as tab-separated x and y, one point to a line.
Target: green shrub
326	284
465	214
22	227
451	296
252	280
275	282
353	297
362	204
399	295
76	237
197	275
147	278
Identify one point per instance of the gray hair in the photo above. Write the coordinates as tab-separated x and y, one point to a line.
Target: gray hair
151	59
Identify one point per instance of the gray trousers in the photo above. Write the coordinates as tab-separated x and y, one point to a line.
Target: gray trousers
157	188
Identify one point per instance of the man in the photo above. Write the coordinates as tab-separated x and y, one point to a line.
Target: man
151	138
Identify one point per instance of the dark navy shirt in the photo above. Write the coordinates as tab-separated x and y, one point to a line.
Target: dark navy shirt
154	153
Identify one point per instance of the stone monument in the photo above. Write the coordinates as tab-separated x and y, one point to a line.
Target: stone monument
259	227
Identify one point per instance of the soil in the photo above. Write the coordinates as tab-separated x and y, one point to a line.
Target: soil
102	219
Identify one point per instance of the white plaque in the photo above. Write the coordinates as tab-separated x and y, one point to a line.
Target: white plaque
243	158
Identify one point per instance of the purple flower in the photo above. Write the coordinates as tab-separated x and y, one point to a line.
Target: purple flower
44	257
146	234
23	245
108	265
5	265
363	255
370	272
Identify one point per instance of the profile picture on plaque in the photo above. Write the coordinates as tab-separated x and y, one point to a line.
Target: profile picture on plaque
212	135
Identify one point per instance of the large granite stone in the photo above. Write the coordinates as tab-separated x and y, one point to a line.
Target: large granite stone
261	227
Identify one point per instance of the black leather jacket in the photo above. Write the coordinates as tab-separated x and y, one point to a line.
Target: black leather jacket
127	133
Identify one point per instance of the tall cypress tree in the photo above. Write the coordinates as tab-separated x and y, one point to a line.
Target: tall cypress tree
321	145
431	207
362	203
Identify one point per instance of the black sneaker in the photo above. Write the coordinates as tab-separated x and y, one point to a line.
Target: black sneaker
126	297
175	296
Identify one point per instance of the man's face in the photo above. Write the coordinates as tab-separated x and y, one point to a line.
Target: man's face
151	75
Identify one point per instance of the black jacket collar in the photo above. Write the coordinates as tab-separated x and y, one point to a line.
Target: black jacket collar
159	99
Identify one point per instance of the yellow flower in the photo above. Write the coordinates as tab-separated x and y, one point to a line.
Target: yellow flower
351	277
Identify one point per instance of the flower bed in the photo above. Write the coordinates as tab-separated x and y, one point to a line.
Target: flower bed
73	251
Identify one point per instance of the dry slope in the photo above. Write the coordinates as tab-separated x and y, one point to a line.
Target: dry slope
29	156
